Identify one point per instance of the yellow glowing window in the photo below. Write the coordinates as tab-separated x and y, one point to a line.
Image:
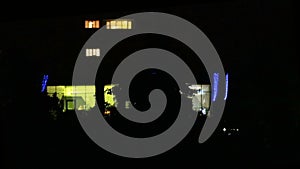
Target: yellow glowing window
84	97
92	52
124	24
109	96
129	23
119	24
74	97
92	24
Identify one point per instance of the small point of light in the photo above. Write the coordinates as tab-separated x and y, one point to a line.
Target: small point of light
224	129
204	111
107	112
237	129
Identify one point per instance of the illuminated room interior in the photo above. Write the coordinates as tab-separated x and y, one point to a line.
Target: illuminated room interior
83	97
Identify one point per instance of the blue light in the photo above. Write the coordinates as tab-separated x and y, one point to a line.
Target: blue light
215	86
44	82
226	89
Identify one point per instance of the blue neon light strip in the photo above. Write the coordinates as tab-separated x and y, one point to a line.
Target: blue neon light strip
215	87
226	89
44	83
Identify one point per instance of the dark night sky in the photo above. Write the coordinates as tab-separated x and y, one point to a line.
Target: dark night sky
255	40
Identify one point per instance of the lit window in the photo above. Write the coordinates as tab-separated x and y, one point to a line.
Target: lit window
107	25
92	52
92	24
109	96
129	24
74	97
112	25
119	24
200	95
124	24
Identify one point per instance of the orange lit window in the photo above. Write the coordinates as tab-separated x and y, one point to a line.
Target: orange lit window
92	24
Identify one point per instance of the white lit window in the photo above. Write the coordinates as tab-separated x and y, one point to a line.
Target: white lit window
107	25
119	24
92	52
92	24
129	23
